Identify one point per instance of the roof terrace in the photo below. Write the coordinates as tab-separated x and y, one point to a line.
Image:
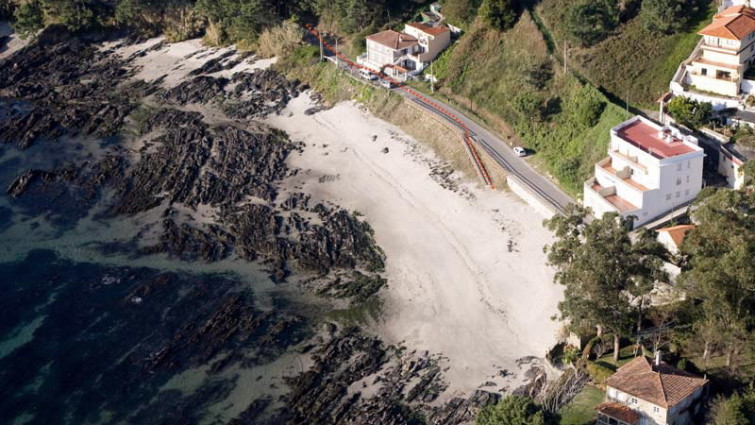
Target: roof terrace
660	142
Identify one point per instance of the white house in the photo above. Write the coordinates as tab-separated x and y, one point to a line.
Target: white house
650	171
643	392
409	51
715	71
731	158
672	237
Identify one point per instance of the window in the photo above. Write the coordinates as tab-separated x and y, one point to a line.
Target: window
678	181
704	71
686	192
632	400
678	193
679	166
689	162
687	179
668	196
656	409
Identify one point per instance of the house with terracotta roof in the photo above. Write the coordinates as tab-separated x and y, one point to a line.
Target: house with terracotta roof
647	392
672	237
716	69
411	50
650	171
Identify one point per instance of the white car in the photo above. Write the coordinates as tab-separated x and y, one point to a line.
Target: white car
367	75
520	151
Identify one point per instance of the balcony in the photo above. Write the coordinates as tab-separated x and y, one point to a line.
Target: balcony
624	175
608	198
632	160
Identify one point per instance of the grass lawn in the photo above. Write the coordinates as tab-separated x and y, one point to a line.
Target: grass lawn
626	354
581	410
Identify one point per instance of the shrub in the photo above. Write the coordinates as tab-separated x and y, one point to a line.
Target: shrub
598	372
590	21
280	40
571	354
500	14
29	19
512	410
667	16
460	12
690	112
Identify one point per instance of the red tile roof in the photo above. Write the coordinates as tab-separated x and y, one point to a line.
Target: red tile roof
662	385
646	136
677	233
427	29
393	39
619	411
734	23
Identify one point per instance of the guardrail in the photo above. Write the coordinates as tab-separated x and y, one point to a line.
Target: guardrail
439	109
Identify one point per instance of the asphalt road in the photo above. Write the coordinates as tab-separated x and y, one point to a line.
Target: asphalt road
500	152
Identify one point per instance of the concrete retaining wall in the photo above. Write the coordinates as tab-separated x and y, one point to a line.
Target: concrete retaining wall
521	190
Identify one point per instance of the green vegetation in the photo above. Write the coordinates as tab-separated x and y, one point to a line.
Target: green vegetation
500	14
721	276
512	410
608	276
28	18
581	411
590	21
737	410
460	12
690	112
668	16
510	75
633	62
599	372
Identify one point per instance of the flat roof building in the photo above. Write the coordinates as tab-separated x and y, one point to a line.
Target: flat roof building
650	171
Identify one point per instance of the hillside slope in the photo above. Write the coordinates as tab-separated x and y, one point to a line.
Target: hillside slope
512	75
633	63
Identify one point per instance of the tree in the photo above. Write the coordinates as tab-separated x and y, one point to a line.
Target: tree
590	21
76	15
29	18
500	14
512	410
739	409
721	273
460	12
607	276
667	16
690	112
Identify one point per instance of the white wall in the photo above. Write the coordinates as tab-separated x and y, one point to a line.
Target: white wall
730	170
652	414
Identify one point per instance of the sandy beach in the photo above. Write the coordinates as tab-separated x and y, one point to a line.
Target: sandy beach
466	269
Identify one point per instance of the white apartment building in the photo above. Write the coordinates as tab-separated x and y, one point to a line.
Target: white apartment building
643	392
650	171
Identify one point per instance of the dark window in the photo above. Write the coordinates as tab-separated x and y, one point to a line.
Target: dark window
704	71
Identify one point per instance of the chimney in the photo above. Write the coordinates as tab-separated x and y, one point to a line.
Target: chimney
658	357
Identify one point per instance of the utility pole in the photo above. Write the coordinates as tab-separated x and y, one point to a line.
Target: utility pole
321	50
336	52
565	56
432	78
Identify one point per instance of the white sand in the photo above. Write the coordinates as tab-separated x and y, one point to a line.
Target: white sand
454	287
466	272
177	60
14	44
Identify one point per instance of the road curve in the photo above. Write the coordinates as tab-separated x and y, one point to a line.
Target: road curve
501	153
